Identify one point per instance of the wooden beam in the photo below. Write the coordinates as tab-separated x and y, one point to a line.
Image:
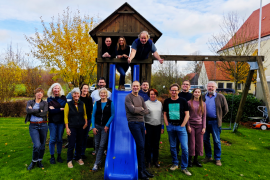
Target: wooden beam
99	47
264	84
128	34
243	100
209	58
126	12
116	60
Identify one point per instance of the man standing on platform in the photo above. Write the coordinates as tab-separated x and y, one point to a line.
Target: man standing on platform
187	96
176	115
135	111
144	91
216	109
142	46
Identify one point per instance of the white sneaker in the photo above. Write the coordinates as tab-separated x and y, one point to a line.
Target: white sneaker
95	168
80	162
174	167
70	165
186	172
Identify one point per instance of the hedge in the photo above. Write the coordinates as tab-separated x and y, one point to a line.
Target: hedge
250	108
13	109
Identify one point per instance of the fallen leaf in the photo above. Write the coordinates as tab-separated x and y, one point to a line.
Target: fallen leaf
114	157
42	168
5	143
206	175
241	175
8	155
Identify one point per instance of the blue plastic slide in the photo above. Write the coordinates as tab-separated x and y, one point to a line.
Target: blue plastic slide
121	161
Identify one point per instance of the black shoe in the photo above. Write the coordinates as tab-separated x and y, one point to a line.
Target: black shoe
39	164
148	174
189	163
52	160
157	165
31	166
59	159
84	157
197	164
143	176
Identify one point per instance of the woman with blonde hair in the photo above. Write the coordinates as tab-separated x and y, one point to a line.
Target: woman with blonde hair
37	110
56	102
196	126
102	116
122	52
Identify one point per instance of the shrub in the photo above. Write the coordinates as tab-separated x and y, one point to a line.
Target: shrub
250	108
13	109
20	90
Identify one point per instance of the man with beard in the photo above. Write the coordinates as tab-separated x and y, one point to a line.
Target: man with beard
144	91
187	96
216	108
101	84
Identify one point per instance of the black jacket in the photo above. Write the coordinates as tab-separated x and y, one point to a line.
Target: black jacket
103	116
43	105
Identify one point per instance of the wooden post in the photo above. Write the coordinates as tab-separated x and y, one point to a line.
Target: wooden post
99	72
264	84
243	100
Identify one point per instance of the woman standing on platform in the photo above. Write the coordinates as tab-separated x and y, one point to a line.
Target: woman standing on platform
122	52
154	124
103	114
37	110
196	126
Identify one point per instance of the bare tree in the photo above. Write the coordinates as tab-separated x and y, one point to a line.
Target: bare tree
234	38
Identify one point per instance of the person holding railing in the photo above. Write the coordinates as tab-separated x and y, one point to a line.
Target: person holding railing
122	52
142	46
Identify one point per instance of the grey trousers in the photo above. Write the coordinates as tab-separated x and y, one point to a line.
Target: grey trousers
100	142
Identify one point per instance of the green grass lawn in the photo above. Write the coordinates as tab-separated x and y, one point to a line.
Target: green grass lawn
244	156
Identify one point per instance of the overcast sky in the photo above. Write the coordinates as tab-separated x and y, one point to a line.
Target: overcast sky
186	24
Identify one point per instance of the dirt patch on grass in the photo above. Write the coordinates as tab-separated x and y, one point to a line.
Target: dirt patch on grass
248	124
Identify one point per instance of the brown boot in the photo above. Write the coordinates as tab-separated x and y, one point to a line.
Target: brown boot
218	163
207	159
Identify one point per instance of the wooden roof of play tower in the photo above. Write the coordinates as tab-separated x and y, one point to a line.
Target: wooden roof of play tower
125	21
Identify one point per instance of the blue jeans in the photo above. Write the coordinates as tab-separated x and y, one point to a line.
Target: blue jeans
85	137
138	133
75	137
56	133
38	133
122	69
179	132
212	127
100	142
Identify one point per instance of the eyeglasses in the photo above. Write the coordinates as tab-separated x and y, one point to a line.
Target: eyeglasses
186	84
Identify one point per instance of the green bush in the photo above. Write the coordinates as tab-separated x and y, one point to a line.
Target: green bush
13	109
250	108
20	90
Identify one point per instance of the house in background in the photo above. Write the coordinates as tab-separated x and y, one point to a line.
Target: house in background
253	21
210	72
192	77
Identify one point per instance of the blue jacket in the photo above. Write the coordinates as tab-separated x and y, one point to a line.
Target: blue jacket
144	95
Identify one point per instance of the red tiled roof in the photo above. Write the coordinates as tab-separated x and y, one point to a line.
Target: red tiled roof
213	72
252	21
190	76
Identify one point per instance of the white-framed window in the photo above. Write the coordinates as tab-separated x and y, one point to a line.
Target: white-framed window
229	85
239	86
220	85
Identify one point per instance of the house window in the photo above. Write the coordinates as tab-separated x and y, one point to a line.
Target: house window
239	86
220	85
229	85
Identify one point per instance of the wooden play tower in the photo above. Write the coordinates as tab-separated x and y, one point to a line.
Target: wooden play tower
127	22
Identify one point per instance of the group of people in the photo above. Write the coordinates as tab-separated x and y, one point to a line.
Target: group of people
189	119
140	50
76	116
